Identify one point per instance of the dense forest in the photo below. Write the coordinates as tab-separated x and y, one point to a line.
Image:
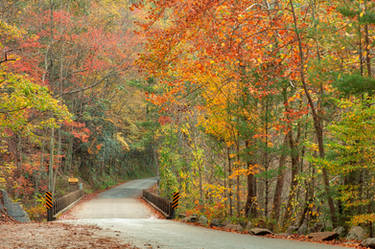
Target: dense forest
266	108
70	104
254	110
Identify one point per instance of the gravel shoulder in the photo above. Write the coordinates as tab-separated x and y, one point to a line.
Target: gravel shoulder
57	235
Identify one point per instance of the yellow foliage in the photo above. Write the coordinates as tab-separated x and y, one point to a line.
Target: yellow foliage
363	219
37	213
124	144
245	172
9	32
6	169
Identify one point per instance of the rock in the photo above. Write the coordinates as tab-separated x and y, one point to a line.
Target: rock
203	220
318	227
356	233
226	222
192	218
340	231
370	242
260	231
13	209
186	219
243	223
249	226
216	223
181	216
233	227
302	229
292	229
323	236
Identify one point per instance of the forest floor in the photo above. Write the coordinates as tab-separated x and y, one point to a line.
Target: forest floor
56	235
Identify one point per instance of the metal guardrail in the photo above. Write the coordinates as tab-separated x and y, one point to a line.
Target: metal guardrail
163	205
62	203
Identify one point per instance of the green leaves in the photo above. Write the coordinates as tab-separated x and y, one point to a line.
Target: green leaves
19	96
355	84
363	16
351	156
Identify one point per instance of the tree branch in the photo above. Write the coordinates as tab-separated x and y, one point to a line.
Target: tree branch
14	110
90	86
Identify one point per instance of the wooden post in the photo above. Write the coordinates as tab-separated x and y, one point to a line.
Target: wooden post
49	214
171	212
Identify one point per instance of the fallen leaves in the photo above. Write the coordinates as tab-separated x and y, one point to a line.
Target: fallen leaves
56	235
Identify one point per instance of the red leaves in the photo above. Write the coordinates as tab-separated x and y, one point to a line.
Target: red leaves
24	186
74	124
99	146
78	130
28	168
164	120
82	135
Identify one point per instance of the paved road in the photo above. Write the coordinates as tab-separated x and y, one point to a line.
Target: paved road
119	202
118	210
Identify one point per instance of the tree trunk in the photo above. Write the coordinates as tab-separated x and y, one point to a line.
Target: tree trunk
238	200
294	155
294	170
69	156
308	185
316	118
367	49
54	181
19	152
41	168
225	188
251	206
367	44
230	182
59	148
200	185
280	182
50	168
305	207
360	49
266	163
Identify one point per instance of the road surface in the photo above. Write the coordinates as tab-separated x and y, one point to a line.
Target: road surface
120	213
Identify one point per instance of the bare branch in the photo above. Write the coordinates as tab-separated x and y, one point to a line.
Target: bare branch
90	86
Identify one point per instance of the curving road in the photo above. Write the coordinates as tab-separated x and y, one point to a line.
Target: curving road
120	213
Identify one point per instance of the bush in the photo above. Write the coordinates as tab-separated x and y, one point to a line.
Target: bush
37	213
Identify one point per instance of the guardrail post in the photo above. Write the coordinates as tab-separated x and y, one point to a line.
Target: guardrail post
49	203
174	204
49	214
171	212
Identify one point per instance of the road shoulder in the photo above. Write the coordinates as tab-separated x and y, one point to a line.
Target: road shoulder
57	235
